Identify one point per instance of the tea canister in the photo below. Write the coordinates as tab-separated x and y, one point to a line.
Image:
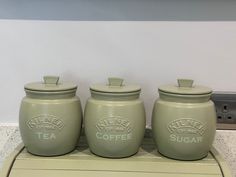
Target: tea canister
184	121
114	119
50	117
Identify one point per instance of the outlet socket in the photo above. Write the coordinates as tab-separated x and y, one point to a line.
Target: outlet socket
225	103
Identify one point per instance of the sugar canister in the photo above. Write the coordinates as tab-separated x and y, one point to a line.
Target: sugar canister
184	120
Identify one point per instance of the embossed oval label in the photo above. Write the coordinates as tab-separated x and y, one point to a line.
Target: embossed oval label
45	126
45	121
114	129
186	130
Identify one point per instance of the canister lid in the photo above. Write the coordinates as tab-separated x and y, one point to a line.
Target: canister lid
185	87
115	85
50	84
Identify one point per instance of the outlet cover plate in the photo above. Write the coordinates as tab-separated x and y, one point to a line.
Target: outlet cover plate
225	103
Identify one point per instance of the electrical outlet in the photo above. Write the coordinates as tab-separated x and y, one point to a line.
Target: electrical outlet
225	103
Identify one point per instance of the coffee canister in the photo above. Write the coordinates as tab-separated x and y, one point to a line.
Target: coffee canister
184	121
114	119
50	117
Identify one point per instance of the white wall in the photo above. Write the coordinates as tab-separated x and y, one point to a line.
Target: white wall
148	53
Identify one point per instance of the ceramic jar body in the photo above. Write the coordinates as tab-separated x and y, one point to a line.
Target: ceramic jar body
114	128
183	130
50	122
184	125
50	127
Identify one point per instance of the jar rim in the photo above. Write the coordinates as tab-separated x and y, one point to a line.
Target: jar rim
184	98
115	96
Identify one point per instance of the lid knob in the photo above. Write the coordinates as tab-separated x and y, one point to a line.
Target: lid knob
114	81
51	80
185	83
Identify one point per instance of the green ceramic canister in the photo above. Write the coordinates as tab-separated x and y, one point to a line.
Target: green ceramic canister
50	117
184	121
114	119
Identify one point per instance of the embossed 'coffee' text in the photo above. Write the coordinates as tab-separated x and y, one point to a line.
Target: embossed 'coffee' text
114	129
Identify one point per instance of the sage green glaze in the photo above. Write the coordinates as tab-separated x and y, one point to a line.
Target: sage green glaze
50	118
114	120
184	125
